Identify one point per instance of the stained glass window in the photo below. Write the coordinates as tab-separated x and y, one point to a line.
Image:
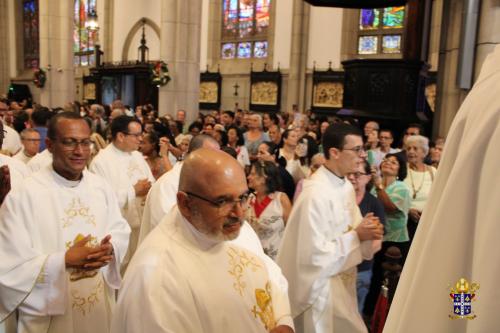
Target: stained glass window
245	25
31	33
260	50
244	50
83	39
381	31
393	17
369	19
367	44
391	44
228	50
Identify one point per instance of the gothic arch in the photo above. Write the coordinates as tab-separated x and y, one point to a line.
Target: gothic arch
133	31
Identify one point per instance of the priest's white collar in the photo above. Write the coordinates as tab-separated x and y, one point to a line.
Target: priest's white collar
119	151
63	181
334	177
204	242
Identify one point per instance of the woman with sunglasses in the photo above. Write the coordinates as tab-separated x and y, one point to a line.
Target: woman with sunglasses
268	208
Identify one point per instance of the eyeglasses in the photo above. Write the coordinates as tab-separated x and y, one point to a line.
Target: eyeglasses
390	161
31	140
358	174
358	150
137	135
223	204
71	144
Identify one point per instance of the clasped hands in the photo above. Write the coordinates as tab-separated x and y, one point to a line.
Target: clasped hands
370	228
89	258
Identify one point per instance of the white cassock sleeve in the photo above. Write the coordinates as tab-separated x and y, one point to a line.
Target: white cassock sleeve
22	266
368	247
125	193
119	230
48	296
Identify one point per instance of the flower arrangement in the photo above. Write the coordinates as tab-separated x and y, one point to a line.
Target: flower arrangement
39	77
159	74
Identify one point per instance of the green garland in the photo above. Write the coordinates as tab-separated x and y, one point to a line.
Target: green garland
159	74
39	78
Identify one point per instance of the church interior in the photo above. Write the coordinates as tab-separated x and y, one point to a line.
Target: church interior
432	48
264	81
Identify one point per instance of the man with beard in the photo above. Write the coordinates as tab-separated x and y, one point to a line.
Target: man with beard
203	269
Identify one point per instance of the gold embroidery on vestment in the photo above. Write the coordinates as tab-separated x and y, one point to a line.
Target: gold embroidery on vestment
238	261
264	308
77	208
85	304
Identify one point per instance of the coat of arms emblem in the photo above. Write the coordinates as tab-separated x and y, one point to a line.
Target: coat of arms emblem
463	295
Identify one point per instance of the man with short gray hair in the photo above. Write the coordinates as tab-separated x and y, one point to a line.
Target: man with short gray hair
30	138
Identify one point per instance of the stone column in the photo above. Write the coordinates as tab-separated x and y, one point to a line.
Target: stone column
298	56
56	52
180	49
4	51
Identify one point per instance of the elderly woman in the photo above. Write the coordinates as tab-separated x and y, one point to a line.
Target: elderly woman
268	208
419	179
254	136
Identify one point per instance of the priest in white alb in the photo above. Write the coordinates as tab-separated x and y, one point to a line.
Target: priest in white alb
163	194
127	171
62	239
458	233
202	269
17	169
326	238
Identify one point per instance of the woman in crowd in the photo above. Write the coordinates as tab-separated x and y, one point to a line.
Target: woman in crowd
155	156
395	197
268	207
288	150
362	182
435	152
419	179
269	119
235	140
268	152
254	136
316	162
182	141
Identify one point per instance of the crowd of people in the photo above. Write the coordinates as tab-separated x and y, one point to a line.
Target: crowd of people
112	187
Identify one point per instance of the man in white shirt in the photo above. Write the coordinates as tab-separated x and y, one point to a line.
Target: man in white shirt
375	156
163	194
128	173
30	139
326	238
62	239
203	269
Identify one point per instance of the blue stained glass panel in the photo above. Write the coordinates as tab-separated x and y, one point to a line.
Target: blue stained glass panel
393	17
369	19
244	50
367	44
260	50
31	33
228	51
391	44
